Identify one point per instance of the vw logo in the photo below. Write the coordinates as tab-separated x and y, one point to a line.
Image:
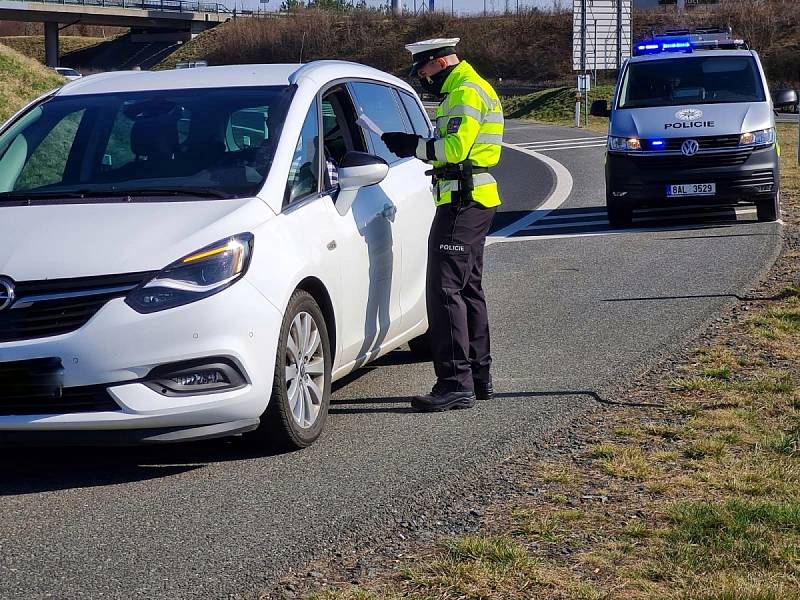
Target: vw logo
7	295
689	114
690	147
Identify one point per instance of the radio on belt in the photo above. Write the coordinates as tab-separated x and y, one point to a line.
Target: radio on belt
691	121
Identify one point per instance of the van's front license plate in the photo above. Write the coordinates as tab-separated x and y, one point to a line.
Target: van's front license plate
692	189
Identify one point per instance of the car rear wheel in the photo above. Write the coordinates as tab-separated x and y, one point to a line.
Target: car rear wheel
770	208
301	389
620	213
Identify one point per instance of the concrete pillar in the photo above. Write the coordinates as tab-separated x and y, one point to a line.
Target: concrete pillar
51	44
397	7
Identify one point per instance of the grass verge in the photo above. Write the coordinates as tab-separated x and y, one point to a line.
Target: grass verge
21	80
699	500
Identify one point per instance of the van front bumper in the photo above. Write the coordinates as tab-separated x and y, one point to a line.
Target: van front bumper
740	176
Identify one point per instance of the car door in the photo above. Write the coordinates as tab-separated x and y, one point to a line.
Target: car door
409	190
366	245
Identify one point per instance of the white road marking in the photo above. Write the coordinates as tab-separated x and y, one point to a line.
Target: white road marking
554	148
564	141
563	189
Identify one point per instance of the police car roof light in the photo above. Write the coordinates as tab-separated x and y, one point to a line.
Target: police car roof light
686	40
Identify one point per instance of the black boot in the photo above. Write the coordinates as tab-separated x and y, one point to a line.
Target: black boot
438	401
483	390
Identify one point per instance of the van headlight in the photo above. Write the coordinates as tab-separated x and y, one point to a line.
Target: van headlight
763	137
623	144
199	275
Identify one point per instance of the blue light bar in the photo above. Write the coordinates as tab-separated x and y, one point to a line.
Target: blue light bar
656	47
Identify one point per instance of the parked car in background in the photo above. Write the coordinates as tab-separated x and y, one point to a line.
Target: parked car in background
67	73
177	262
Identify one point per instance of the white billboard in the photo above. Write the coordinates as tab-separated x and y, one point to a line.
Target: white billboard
602	21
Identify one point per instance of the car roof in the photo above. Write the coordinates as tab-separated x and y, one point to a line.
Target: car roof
673	55
317	72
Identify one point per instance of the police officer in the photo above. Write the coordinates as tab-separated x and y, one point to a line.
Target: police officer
466	143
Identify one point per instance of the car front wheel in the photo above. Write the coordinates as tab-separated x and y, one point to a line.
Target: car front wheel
301	389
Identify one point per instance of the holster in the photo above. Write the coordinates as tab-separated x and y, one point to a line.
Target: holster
461	172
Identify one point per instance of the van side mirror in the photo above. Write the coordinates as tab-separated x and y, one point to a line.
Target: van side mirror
357	170
785	99
600	109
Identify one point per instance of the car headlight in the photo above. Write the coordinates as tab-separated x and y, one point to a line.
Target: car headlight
763	137
622	144
199	275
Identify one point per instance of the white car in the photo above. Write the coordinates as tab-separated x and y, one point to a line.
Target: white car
67	73
178	262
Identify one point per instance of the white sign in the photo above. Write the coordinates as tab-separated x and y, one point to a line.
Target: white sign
584	83
601	33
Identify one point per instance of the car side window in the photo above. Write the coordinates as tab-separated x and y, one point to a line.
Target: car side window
380	104
419	120
304	171
340	134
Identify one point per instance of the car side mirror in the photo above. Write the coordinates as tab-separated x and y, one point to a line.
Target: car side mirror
357	170
600	109
784	99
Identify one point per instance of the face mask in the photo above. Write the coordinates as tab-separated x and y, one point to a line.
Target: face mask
433	85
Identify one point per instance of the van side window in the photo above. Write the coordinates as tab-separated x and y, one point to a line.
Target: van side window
380	104
304	171
419	120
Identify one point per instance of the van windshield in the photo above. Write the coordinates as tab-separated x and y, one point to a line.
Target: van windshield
207	142
691	80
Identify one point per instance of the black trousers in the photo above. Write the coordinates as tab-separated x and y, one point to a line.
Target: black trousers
457	317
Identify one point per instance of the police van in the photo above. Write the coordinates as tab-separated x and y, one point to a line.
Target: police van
691	122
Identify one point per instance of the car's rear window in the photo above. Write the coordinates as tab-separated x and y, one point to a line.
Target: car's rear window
691	80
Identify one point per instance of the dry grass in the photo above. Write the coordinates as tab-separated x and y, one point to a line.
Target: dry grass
21	80
32	46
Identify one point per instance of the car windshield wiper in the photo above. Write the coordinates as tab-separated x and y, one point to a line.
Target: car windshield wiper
15	196
173	191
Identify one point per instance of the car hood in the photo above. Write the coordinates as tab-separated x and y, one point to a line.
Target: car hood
81	240
691	120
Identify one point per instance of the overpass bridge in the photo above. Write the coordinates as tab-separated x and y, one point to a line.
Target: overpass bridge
180	17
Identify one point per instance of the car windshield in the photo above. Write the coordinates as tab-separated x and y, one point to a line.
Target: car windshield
691	80
195	142
68	72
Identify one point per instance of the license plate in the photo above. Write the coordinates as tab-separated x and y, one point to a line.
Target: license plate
692	189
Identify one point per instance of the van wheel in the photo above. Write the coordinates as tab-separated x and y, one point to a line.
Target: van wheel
769	209
301	390
420	347
620	213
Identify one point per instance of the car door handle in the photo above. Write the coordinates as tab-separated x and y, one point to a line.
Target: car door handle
389	211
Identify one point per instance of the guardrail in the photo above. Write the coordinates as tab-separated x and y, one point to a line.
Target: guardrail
162	5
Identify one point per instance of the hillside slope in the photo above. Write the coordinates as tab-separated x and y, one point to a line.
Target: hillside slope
22	79
33	45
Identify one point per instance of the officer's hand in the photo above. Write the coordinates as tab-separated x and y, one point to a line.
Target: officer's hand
401	144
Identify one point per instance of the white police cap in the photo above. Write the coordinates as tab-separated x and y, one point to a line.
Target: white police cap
427	50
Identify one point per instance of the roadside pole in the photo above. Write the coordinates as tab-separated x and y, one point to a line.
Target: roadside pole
583	56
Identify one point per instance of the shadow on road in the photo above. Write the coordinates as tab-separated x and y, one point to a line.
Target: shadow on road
28	470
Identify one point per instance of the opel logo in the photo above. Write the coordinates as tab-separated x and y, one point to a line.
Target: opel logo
7	295
689	114
690	147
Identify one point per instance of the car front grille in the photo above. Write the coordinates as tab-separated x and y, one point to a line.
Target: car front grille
54	307
713	142
33	387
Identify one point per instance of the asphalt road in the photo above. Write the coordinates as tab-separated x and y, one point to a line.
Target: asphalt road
574	306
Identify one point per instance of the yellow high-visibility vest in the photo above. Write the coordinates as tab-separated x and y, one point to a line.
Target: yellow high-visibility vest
469	126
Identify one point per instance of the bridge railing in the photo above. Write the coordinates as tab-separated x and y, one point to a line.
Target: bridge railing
161	5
